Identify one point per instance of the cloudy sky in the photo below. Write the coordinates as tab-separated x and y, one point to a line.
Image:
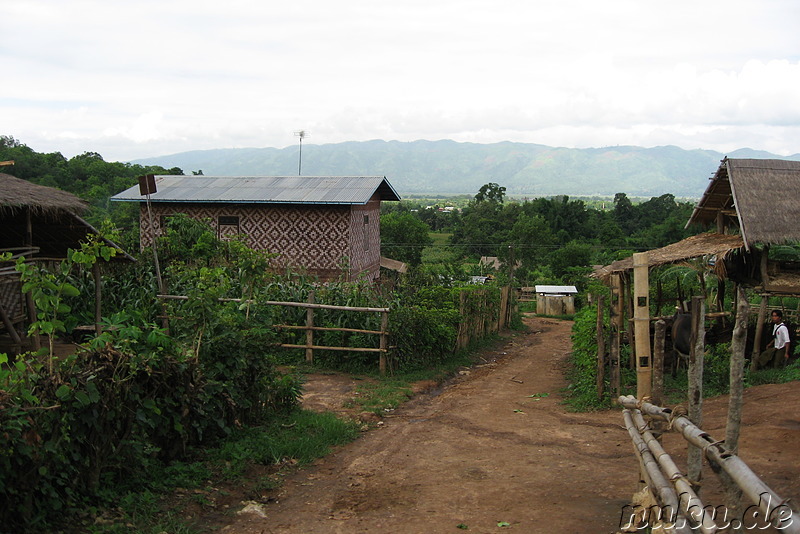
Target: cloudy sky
138	78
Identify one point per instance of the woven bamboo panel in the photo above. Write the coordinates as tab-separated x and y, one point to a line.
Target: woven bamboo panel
11	297
316	239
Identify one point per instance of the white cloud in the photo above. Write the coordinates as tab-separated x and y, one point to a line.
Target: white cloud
132	78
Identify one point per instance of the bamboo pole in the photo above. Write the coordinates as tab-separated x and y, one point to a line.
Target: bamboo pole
694	456
771	505
322	347
31	306
384	342
641	311
688	500
327	329
601	348
310	329
282	303
628	313
615	316
659	337
658	484
10	327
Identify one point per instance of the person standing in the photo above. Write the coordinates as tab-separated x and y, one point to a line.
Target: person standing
778	350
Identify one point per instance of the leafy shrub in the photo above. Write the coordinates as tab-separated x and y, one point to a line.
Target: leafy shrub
109	411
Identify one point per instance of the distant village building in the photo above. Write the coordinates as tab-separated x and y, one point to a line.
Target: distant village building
555	300
323	225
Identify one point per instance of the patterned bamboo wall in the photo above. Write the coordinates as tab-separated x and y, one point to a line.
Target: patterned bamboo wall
313	238
365	239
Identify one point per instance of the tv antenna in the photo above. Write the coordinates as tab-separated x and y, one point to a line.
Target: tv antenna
302	134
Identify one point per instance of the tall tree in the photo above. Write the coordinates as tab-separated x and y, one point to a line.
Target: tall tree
403	236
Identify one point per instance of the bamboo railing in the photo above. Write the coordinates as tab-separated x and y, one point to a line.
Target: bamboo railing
774	509
309	327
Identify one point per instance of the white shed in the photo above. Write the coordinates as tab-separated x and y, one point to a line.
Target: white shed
555	300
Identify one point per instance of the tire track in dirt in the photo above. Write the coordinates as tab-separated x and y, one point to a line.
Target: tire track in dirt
494	445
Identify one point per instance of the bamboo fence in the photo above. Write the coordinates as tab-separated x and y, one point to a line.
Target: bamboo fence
775	509
310	328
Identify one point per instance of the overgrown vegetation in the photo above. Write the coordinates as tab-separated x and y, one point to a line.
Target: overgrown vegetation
582	389
75	430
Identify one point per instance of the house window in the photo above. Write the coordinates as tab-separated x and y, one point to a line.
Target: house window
227	226
228	220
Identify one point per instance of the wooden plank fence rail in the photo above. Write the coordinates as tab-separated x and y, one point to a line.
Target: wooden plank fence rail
775	509
309	327
327	329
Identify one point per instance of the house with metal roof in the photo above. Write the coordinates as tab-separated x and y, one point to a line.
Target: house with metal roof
327	226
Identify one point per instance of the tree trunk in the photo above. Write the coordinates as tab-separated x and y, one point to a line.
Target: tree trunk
733	495
694	460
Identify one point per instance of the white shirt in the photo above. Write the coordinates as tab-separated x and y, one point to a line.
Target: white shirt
781	334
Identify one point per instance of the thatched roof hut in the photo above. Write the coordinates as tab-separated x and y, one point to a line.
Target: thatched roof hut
43	218
18	195
751	202
696	246
759	197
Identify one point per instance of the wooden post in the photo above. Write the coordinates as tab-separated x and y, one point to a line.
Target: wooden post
37	341
601	348
310	329
658	361
641	311
10	327
615	318
98	295
384	344
762	317
694	457
629	313
733	494
28	228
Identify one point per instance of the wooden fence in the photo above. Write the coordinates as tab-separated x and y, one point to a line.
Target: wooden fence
474	326
309	327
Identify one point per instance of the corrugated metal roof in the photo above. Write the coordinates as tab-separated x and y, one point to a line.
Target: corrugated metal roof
559	290
265	189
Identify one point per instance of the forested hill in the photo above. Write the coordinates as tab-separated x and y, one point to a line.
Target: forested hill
447	167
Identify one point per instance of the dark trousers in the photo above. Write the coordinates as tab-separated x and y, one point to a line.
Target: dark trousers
772	357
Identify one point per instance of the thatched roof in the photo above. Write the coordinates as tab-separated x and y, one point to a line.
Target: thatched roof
760	196
16	193
692	247
54	220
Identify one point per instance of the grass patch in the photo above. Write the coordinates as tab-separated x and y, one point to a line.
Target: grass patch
440	238
154	502
379	397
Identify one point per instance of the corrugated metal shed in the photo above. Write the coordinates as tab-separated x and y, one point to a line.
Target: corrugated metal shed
557	290
346	190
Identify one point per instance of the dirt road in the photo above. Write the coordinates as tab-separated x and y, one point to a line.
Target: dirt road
493	451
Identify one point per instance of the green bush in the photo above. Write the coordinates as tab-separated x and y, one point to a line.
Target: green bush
107	412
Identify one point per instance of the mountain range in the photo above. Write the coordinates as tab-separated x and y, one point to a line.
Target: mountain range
441	168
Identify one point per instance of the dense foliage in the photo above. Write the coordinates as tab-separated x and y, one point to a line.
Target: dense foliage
546	240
